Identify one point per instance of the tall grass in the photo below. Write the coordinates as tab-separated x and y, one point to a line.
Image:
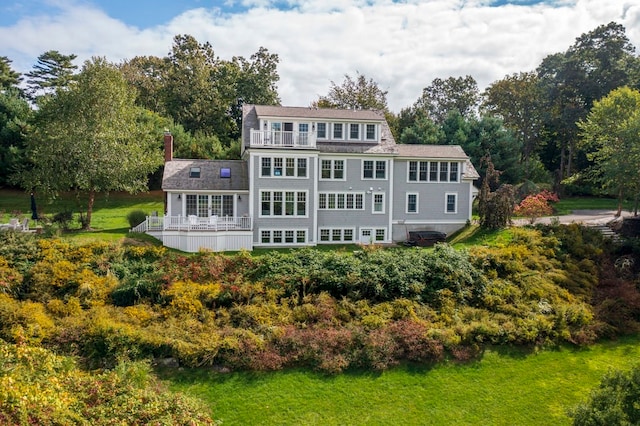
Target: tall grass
505	387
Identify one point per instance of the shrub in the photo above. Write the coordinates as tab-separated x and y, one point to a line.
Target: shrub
535	206
38	387
63	219
613	402
136	217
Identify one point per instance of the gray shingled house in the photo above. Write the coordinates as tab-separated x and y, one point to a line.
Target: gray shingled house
313	176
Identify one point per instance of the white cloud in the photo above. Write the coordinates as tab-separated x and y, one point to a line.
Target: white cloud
402	46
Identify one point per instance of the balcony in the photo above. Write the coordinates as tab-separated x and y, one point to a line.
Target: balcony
282	139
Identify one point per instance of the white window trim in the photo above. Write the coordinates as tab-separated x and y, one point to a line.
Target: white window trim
284	167
342	240
446	197
326	193
375	132
359	131
283	230
386	169
333	169
342	137
406	203
284	201
373	203
327	130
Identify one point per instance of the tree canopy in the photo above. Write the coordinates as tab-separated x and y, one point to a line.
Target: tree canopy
610	134
52	72
91	138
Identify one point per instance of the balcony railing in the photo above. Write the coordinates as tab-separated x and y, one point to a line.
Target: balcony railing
194	223
282	139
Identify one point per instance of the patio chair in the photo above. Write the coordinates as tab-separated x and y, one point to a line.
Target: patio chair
213	222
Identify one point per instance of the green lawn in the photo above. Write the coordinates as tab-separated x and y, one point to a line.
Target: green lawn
505	387
110	211
567	205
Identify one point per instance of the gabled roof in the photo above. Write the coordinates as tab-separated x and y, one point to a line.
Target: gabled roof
318	113
176	175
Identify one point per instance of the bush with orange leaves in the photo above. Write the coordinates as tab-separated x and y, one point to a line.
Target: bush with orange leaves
536	205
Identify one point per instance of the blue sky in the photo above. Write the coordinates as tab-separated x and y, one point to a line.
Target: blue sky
401	44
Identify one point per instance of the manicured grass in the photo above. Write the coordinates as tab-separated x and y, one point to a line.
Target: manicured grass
504	387
109	221
567	205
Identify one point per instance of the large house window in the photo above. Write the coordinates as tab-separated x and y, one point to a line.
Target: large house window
433	171
336	235
371	132
341	201
337	130
354	131
374	169
332	169
322	130
451	203
378	202
283	167
283	203
283	236
412	203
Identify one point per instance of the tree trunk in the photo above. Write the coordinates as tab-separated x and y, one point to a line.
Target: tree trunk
92	198
619	203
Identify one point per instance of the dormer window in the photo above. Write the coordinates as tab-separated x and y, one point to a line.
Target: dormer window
337	130
194	172
371	132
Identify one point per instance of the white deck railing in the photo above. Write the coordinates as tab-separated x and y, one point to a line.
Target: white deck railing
278	139
194	223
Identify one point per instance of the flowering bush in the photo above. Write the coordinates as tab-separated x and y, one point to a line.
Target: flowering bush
535	206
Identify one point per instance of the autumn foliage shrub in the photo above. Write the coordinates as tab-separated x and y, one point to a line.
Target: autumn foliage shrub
536	206
38	387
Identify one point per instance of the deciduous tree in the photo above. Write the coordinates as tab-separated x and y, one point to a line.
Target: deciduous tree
611	135
358	93
91	138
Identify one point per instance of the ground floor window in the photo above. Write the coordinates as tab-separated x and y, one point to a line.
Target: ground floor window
209	205
283	236
337	235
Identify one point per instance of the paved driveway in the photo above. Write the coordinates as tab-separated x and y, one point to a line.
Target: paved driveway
589	217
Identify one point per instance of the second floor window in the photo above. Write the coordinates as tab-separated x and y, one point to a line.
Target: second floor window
374	169
371	132
332	169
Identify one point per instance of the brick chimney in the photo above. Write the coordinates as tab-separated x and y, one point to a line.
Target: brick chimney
168	146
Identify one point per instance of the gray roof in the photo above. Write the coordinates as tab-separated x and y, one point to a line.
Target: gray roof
444	152
176	175
432	151
318	113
